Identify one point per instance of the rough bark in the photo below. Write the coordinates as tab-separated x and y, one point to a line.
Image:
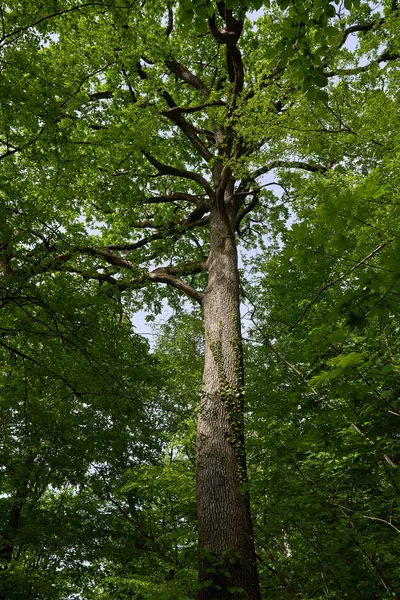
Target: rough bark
226	544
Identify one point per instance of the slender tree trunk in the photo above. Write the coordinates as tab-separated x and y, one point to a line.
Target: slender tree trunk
7	536
226	544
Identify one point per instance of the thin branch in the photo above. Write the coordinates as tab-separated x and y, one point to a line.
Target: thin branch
46	18
289	164
267	343
245	211
384	57
382	521
340	278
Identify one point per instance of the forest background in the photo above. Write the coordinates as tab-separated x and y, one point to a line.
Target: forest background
141	145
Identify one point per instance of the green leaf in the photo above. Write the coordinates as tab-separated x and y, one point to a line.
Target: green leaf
187	16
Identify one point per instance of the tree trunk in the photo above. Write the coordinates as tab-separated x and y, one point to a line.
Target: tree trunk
7	537
226	545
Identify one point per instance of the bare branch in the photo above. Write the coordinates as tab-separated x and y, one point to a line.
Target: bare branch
366	26
136	245
13	149
101	95
229	36
107	255
383	520
160	275
356	28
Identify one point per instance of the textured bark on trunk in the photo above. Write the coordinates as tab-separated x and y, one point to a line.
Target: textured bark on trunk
226	544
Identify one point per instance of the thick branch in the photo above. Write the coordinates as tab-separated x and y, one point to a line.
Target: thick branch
176	117
229	36
187	76
193	109
356	28
176	283
184	269
168	170
192	198
170	25
106	95
366	26
163	275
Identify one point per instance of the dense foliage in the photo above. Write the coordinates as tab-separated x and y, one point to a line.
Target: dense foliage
107	148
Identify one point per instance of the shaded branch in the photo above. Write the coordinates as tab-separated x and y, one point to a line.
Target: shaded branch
176	117
191	268
164	169
46	18
384	57
177	284
163	275
14	149
229	36
193	109
340	278
106	95
288	164
192	198
170	25
356	28
245	211
366	26
187	76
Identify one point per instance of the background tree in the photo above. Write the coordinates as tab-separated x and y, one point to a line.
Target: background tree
326	439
